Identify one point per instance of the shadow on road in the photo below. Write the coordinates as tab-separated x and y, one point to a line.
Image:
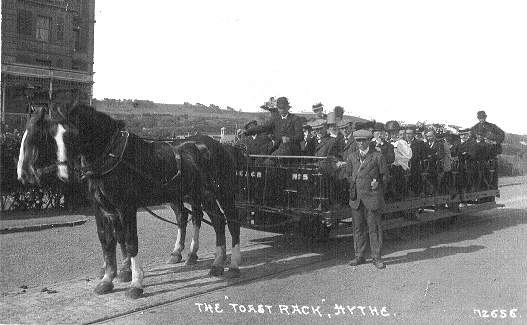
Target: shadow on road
283	256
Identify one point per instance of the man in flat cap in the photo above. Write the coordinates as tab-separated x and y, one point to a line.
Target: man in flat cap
367	182
286	128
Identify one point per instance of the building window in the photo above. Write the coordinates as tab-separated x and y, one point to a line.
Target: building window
43	24
25	22
60	29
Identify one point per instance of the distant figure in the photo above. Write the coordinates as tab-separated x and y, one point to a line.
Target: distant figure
286	128
491	133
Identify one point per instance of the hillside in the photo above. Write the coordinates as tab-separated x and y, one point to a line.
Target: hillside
169	120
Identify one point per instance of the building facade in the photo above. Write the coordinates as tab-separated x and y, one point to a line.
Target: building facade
47	53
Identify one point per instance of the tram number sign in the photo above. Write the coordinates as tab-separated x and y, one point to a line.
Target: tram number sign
299	177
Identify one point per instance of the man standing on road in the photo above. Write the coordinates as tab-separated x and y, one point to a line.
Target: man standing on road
367	182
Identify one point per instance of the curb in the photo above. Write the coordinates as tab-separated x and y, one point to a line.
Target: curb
42	226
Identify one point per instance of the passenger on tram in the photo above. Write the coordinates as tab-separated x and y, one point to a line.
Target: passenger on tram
285	127
402	154
380	144
308	143
346	129
491	133
435	154
326	144
318	109
419	152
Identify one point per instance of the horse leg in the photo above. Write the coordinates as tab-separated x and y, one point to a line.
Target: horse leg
105	232
234	228
218	221
197	215
181	219
129	221
125	272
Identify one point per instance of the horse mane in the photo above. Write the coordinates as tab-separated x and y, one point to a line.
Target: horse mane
87	111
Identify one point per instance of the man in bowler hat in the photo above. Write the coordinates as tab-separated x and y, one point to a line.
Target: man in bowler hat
367	182
286	128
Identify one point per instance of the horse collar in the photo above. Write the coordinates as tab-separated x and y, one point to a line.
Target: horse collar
109	160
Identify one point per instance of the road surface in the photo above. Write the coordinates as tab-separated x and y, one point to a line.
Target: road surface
452	273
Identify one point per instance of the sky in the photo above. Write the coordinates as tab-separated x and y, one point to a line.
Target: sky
434	61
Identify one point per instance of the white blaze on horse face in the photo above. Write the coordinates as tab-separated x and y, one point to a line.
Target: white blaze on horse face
21	156
62	170
137	273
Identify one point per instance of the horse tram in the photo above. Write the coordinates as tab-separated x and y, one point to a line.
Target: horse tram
305	196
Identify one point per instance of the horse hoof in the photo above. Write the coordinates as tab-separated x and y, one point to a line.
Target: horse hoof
216	271
134	293
103	288
192	259
125	276
233	273
174	259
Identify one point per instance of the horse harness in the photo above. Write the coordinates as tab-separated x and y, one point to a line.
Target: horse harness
113	157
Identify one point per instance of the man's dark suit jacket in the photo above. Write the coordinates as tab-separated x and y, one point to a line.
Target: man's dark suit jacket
386	149
290	127
419	152
307	148
436	151
261	145
373	167
328	146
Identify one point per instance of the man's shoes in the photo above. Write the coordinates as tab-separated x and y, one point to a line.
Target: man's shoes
378	263
357	261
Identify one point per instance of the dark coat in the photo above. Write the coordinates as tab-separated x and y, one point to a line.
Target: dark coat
261	145
419	152
436	151
373	167
328	146
350	146
490	131
289	127
386	149
307	148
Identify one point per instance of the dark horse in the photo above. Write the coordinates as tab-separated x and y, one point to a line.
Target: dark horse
125	172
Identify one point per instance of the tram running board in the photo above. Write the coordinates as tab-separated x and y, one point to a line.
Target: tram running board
429	216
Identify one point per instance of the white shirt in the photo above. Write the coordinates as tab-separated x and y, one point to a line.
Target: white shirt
403	153
284	117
